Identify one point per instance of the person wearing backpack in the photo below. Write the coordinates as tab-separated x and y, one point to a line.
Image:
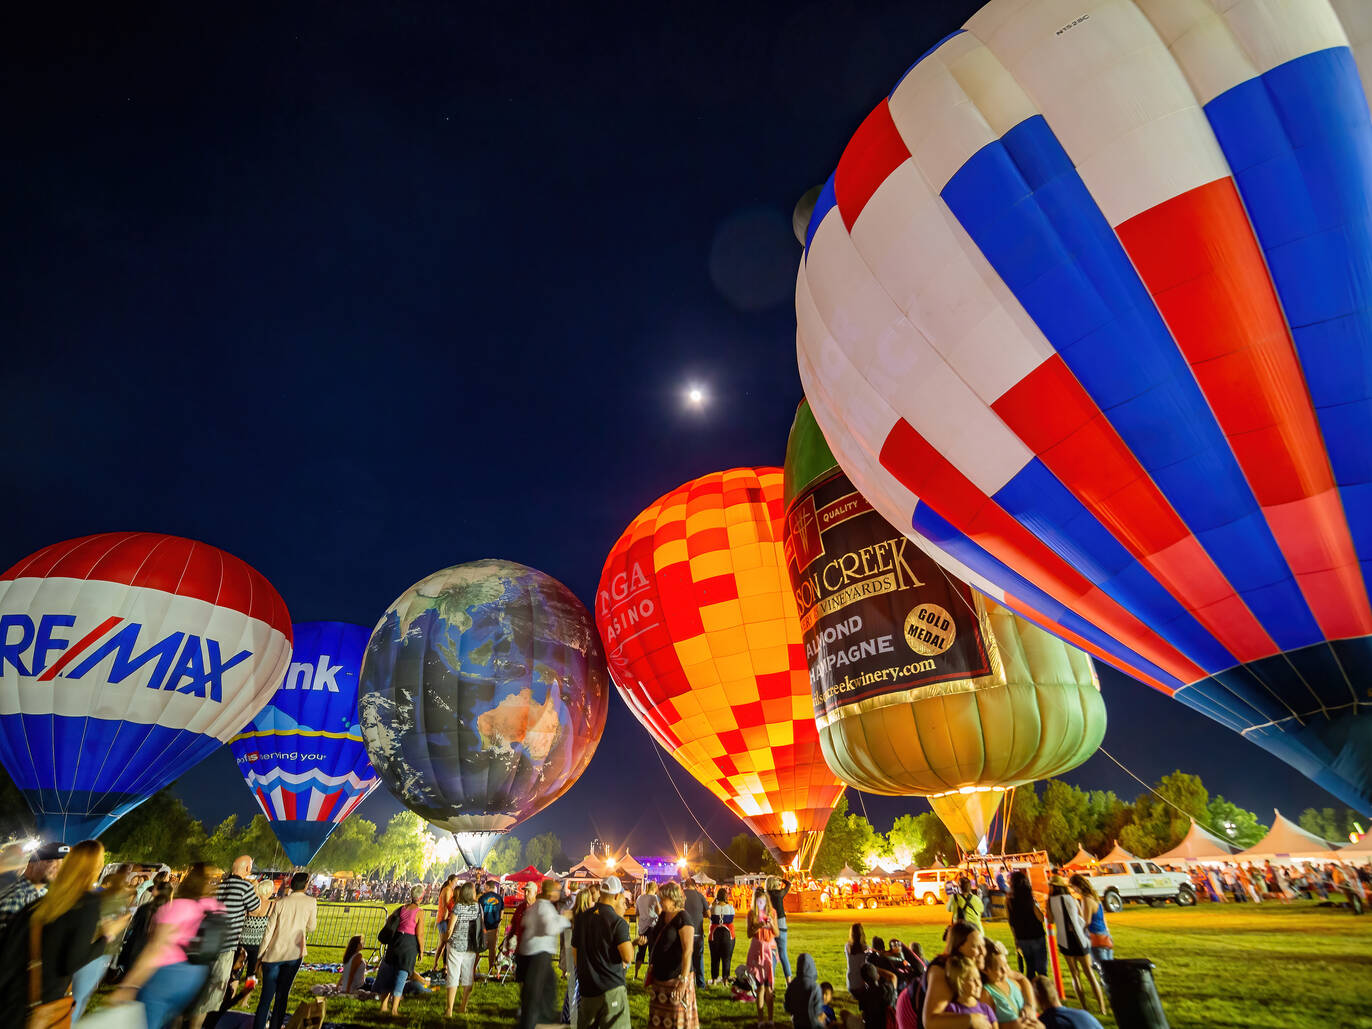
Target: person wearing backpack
289	922
174	964
966	904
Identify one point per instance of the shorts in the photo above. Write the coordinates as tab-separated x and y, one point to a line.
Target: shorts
442	930
461	965
211	997
608	1011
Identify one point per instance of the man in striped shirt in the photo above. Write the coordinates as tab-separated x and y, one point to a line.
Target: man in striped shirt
238	894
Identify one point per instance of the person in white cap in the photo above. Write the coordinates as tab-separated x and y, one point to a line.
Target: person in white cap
602	951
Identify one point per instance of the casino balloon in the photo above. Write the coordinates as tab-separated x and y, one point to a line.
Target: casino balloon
125	658
302	755
1085	310
704	645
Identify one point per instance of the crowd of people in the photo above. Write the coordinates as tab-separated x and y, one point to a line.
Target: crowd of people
190	946
1254	883
198	944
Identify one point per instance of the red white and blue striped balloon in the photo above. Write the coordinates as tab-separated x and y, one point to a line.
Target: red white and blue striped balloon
125	659
1085	305
302	755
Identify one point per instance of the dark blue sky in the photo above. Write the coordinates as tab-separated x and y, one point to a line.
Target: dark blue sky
357	291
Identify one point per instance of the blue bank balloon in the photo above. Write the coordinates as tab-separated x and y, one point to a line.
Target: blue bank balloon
303	756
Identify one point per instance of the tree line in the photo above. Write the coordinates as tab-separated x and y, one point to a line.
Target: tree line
1052	816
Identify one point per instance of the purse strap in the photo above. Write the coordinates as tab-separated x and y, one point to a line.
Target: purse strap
35	962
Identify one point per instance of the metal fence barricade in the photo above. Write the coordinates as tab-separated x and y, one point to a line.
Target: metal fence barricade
337	923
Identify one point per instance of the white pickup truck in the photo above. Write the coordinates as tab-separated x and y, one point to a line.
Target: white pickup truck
1120	881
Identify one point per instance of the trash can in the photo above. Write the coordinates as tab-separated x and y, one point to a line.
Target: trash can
1133	994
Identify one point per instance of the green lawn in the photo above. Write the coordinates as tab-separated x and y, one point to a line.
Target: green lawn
1239	966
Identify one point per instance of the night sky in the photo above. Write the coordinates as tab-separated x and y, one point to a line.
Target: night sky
359	291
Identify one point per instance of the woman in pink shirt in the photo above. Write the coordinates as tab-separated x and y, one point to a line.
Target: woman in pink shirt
162	980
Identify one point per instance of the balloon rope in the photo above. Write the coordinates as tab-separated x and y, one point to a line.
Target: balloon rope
692	813
862	802
1218	835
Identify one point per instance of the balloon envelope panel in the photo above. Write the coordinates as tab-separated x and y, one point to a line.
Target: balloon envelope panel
1083	310
704	646
484	695
127	658
302	756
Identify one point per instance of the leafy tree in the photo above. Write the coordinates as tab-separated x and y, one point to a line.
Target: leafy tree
402	846
939	846
848	840
1106	817
504	856
1057	821
160	829
906	839
16	820
747	852
1329	824
542	849
1159	825
352	848
1220	815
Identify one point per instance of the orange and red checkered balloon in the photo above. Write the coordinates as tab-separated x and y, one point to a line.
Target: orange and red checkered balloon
703	641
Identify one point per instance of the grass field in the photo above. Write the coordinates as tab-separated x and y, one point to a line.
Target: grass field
1218	967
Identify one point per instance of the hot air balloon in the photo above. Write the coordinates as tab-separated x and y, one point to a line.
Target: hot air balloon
704	646
302	755
483	697
1084	309
921	685
126	658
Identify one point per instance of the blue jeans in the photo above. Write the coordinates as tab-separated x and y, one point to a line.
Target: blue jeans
170	991
782	956
277	977
1035	953
83	983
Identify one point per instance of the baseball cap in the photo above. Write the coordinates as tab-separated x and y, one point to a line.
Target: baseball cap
611	884
51	852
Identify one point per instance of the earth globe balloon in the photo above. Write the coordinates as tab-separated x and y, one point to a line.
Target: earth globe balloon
483	697
1084	309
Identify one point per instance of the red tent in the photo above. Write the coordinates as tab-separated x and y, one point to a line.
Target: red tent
526	875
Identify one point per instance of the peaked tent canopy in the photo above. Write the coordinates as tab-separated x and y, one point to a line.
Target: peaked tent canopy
1082	858
1361	849
1118	853
1288	839
1198	845
526	875
848	873
702	879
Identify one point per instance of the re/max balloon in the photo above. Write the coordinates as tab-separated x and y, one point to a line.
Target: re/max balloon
704	646
483	697
125	658
302	755
1085	310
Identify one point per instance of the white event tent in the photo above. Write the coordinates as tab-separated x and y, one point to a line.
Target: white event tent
1287	841
1198	845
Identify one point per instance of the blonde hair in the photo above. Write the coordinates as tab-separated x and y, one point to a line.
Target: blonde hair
75	878
466	893
652	886
586	898
962	975
670	891
200	881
